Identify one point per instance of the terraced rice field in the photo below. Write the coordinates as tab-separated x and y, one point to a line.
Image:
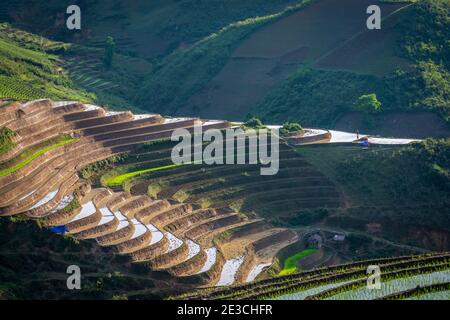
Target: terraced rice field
290	264
238	186
33	156
440	295
409	277
29	72
120	179
203	226
394	286
168	232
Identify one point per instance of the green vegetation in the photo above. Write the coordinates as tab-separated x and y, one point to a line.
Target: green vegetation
440	291
74	204
115	86
27	74
428	39
33	67
241	187
290	127
290	264
303	218
32	153
367	103
173	22
109	52
31	41
253	123
396	188
425	85
106	274
417	173
111	180
397	1
6	142
198	38
322	283
187	70
308	90
93	171
393	282
412	174
195	19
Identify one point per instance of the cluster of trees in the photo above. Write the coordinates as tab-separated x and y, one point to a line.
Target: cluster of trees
253	123
425	41
416	173
369	105
6	142
109	52
305	218
320	97
426	85
289	127
93	171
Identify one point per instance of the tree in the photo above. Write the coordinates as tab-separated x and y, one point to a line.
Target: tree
367	103
253	123
110	46
289	127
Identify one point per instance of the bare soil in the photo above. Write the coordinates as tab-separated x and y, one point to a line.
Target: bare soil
330	32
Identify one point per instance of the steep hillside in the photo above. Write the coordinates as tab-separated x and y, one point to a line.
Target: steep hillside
36	268
401	194
34	67
28	72
310	64
188	70
47	150
143	28
141	226
423	85
313	36
213	224
329	187
306	61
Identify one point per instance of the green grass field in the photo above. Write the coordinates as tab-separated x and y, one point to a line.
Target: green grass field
112	180
386	175
29	155
27	72
290	264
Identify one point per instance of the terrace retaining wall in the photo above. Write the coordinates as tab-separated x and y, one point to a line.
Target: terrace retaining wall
171	258
158	206
190	266
151	252
84	223
117	237
135	244
99	230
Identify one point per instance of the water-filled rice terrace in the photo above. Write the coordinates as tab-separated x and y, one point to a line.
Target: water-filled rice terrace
108	177
419	277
